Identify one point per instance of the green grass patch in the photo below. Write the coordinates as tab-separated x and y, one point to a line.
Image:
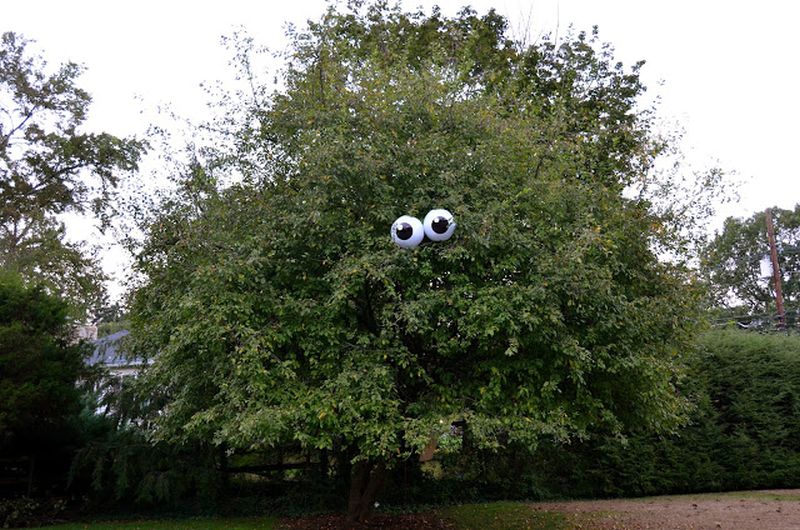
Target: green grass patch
228	523
502	516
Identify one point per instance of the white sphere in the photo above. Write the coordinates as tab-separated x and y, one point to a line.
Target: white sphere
439	225
407	232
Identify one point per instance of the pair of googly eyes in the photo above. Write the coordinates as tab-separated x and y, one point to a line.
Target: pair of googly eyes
409	232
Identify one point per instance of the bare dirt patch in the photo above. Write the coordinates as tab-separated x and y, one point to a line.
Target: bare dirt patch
749	510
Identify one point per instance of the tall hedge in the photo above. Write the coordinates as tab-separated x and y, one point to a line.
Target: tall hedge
744	433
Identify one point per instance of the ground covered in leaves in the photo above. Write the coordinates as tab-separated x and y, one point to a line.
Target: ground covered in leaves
426	521
748	510
494	516
751	510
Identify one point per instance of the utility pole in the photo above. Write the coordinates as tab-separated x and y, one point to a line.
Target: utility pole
776	270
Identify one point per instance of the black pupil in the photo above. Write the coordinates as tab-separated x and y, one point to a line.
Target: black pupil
440	225
404	231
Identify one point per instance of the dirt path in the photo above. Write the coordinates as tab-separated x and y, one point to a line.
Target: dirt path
750	510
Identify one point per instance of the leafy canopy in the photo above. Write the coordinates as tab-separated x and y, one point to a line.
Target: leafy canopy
49	166
731	261
279	311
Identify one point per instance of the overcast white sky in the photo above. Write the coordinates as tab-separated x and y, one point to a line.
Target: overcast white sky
729	68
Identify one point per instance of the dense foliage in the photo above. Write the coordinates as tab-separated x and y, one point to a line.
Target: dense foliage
40	366
742	434
49	166
278	311
118	467
26	512
731	262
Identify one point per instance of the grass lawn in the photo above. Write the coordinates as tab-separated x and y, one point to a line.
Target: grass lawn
229	523
502	516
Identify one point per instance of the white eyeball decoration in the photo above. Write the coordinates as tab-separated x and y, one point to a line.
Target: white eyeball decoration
439	225
407	232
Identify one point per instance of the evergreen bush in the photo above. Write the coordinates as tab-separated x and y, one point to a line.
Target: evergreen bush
744	433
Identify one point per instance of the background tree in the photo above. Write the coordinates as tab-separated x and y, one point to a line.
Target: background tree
49	166
279	312
731	262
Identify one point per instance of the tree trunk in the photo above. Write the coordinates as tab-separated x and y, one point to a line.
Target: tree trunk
323	466
365	484
223	467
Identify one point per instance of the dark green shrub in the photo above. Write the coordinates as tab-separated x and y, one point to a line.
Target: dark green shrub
24	511
124	468
41	368
743	433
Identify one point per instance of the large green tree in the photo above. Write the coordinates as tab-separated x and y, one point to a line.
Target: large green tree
731	262
279	311
50	166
